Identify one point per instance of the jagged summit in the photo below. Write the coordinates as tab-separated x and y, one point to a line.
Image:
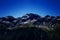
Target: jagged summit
31	16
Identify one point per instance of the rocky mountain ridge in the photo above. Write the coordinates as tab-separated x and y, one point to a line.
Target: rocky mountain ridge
30	27
36	20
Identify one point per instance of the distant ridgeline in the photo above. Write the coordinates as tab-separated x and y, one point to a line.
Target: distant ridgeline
30	27
30	20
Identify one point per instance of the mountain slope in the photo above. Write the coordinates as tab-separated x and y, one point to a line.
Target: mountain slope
25	34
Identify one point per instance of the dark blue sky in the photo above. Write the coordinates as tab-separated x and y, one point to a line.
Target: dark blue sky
18	8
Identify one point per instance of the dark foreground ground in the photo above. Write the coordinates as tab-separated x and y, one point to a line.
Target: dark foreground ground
26	34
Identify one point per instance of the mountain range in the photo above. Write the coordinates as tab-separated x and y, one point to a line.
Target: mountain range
36	20
30	27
